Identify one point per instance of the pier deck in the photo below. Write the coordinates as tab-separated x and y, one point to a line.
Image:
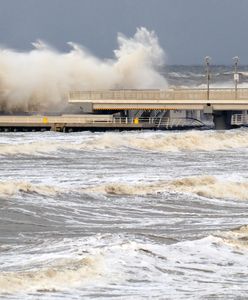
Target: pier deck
89	122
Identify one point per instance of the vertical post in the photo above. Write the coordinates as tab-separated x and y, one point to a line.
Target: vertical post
236	75
207	63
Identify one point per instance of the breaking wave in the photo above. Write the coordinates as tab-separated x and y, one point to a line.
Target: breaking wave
10	188
205	186
118	260
67	273
237	238
211	187
41	79
32	148
159	142
171	142
192	141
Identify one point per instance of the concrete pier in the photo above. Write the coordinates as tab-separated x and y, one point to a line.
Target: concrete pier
221	103
140	109
68	123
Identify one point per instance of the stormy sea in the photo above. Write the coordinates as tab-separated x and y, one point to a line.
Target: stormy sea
126	215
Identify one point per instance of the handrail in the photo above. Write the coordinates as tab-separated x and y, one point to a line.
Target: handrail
164	122
145	122
170	94
239	119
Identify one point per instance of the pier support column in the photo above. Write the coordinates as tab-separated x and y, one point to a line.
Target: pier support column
222	120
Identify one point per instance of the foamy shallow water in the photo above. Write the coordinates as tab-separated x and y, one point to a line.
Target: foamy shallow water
132	215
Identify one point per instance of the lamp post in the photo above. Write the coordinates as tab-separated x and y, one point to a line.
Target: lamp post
207	63
236	75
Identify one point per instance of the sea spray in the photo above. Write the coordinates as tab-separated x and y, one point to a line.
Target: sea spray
41	79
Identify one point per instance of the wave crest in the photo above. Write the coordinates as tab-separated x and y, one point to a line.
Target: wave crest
10	188
166	142
236	238
211	187
171	142
205	186
67	273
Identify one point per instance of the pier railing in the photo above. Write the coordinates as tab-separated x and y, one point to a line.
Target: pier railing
164	122
170	94
108	121
239	119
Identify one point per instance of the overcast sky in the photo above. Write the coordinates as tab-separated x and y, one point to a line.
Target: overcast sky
188	30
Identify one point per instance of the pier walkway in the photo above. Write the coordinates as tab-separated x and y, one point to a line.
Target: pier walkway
68	123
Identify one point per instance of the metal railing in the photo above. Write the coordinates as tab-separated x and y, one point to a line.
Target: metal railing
239	119
170	94
164	122
63	121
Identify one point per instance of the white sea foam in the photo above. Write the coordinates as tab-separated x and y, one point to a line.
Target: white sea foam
115	260
41	79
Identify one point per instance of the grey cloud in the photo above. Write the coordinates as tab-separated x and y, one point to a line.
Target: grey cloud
187	29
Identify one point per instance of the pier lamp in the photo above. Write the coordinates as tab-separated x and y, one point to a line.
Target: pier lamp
236	75
207	63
